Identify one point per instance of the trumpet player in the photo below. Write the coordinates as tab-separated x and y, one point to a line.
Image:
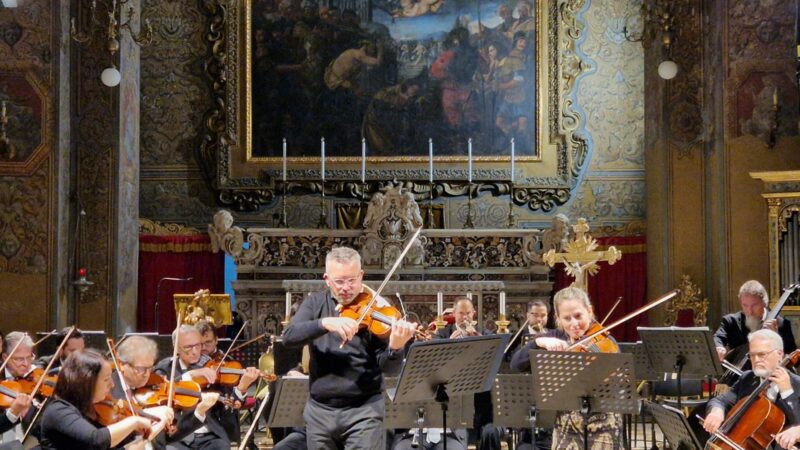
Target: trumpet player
464	323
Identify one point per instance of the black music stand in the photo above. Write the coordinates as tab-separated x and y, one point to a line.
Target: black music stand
585	382
688	352
290	397
674	426
440	368
644	372
514	406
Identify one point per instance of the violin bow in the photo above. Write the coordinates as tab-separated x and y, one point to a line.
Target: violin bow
235	338
253	425
56	355
248	342
13	350
171	395
114	359
45	337
388	277
516	335
35	417
668	296
611	311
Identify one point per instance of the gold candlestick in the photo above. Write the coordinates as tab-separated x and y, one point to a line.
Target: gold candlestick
502	324
440	323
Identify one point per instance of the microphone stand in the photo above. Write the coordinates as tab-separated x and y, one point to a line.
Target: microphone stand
158	293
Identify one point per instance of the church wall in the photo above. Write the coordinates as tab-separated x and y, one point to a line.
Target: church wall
29	48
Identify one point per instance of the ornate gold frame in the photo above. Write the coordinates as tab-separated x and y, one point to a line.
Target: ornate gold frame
244	183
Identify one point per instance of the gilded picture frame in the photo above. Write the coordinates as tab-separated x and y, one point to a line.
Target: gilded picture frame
246	178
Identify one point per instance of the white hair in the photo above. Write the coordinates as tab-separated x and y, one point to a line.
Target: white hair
756	289
342	255
13	338
183	329
767	335
135	346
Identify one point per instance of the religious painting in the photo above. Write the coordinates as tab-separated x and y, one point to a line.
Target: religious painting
396	73
23	121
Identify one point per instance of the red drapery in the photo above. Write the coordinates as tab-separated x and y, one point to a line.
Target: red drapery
174	257
627	278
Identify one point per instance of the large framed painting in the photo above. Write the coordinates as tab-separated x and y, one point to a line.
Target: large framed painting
457	85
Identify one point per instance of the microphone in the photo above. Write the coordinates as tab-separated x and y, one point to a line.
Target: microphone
158	292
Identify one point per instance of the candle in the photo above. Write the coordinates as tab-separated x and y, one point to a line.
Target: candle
775	97
439	304
288	306
323	159
469	160
363	160
284	160
512	160
430	159
469	296
503	305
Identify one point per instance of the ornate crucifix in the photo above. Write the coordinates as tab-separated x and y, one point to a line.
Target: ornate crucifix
580	256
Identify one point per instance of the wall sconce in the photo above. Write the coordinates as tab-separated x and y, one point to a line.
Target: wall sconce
111	76
655	18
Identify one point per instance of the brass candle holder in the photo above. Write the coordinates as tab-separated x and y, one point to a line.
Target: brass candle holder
502	324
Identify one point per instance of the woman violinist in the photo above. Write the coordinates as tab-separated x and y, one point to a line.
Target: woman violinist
70	421
574	320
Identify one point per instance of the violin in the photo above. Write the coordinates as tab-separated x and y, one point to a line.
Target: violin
109	411
156	392
9	390
229	373
754	420
377	319
28	382
600	342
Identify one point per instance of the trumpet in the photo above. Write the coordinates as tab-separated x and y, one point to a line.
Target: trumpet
467	328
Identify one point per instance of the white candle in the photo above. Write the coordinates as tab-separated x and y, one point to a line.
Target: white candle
288	306
469	160
469	296
503	304
323	159
363	160
284	160
430	159
512	160
439	304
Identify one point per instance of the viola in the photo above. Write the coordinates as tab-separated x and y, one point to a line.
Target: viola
28	382
156	391
229	373
754	420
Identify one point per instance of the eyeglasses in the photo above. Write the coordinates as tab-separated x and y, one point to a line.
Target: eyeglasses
23	359
760	355
342	282
139	370
188	348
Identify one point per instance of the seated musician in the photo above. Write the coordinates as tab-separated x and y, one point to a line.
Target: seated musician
766	353
74	344
18	365
191	365
69	421
137	356
574	316
735	327
227	416
464	321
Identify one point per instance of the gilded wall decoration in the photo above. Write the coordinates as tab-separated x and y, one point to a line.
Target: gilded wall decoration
229	132
24	222
612	199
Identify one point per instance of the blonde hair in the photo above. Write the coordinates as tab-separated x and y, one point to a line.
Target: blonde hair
572	293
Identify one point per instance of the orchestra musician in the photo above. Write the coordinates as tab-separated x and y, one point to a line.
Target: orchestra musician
13	421
765	353
191	365
574	316
345	406
69	421
74	343
735	327
464	321
228	417
137	356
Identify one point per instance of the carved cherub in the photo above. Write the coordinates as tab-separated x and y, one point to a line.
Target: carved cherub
557	236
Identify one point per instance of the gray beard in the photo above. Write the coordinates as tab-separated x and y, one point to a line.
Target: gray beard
753	323
761	373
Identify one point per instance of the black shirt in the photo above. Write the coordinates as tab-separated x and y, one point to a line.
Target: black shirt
346	376
64	427
733	331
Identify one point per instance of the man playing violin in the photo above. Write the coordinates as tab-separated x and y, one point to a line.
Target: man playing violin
574	316
228	417
345	407
734	329
137	356
766	353
18	365
191	365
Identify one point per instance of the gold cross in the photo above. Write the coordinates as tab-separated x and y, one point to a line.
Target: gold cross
580	257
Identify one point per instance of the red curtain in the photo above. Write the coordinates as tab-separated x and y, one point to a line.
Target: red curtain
174	257
627	278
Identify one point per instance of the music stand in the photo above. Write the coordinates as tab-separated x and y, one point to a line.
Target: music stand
440	368
674	426
514	406
290	397
641	361
585	382
406	415
688	351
